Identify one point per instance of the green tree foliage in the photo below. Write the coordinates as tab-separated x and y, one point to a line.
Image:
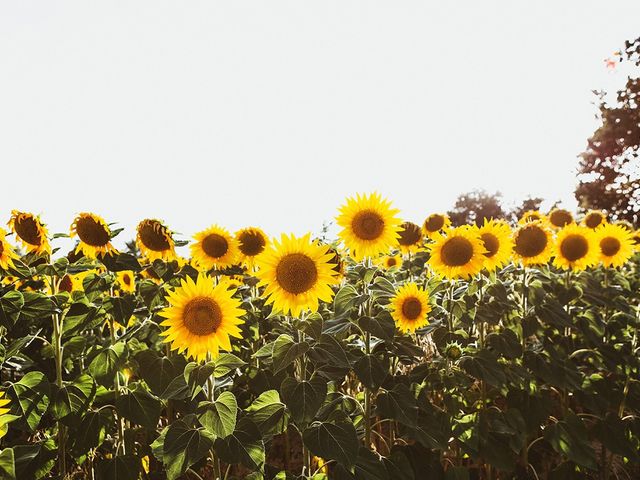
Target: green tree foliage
475	206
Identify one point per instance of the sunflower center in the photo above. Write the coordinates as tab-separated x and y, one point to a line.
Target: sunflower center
609	246
560	218
215	245
92	232
411	308
153	237
491	244
574	247
434	223
410	234
202	316
367	225
392	262
251	244
66	285
530	242
593	220
456	252
296	273
27	229
126	279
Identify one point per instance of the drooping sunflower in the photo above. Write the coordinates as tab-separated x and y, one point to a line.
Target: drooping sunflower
434	224
296	274
369	226
533	243
410	307
560	217
389	262
201	317
594	218
459	254
497	241
155	240
94	235
615	244
339	264
214	248
251	242
31	232
127	281
6	251
575	248
410	239
532	216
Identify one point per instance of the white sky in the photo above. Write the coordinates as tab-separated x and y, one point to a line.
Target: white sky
270	113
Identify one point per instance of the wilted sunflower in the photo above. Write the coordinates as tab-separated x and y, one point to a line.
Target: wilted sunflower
297	273
410	239
390	261
410	307
497	241
532	243
369	226
575	248
559	217
338	263
155	240
594	218
615	244
434	224
127	281
214	248
6	251
251	242
31	232
459	254
201	317
94	235
532	216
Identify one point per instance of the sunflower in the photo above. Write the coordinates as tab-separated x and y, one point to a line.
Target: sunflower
214	248
435	223
369	225
532	243
233	281
390	261
496	237
338	263
575	248
459	254
626	224
532	216
410	239
559	217
296	273
31	232
70	283
251	242
94	235
594	218
615	244
127	281
155	240
4	418
6	251
410	307
201	317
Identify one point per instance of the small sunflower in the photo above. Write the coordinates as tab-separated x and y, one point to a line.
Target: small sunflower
251	242
155	240
594	218
459	254
214	248
389	262
434	224
496	237
201	317
233	281
410	307
615	244
626	224
297	273
6	251
575	248
127	281
94	235
410	239
532	243
369	226
31	232
559	218
532	216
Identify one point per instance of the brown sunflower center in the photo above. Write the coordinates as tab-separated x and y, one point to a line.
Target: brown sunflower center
367	225
410	234
392	262
215	245
636	239
530	241
296	273
202	316
593	220
92	232
434	223
126	278
153	235
66	285
609	246
251	243
411	308
560	218
27	229
574	247
491	244
456	252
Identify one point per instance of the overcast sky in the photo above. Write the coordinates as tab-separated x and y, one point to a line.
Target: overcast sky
270	113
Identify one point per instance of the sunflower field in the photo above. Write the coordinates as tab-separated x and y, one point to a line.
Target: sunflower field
398	351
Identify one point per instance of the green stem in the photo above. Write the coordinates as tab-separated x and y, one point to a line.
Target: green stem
525	307
120	419
211	394
58	351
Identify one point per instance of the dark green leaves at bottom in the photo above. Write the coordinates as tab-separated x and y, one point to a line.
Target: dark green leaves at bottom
125	467
331	441
183	446
140	407
304	398
244	446
569	437
219	417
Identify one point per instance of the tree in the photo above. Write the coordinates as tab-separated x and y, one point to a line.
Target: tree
529	203
475	206
609	170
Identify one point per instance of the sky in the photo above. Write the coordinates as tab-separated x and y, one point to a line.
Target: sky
272	113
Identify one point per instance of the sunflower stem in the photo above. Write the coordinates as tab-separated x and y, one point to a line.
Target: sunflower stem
211	394
525	294
57	351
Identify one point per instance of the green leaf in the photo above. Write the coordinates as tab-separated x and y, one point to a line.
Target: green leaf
345	300
35	461
269	413
183	446
399	404
73	397
370	371
485	366
90	432
164	375
121	308
7	464
124	467
569	437
10	305
140	407
381	326
107	362
226	363
304	398
330	441
30	398
120	262
80	317
329	351
243	446
219	417
285	351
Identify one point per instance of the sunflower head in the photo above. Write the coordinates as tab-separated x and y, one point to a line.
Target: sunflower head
410	239
391	262
434	224
155	240
338	262
369	226
126	281
94	235
7	254
251	242
615	244
214	248
459	254
31	232
560	217
532	243
296	274
626	224
453	351
233	281
594	218
201	317
532	216
497	241
575	248
410	307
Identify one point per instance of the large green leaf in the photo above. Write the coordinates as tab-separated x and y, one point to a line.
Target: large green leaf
286	350
183	446
399	404
370	371
269	413
569	437
30	398
124	467
35	461
226	363
107	362
243	446
219	417
7	464
304	398
164	375
73	396
331	441
140	407
90	431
